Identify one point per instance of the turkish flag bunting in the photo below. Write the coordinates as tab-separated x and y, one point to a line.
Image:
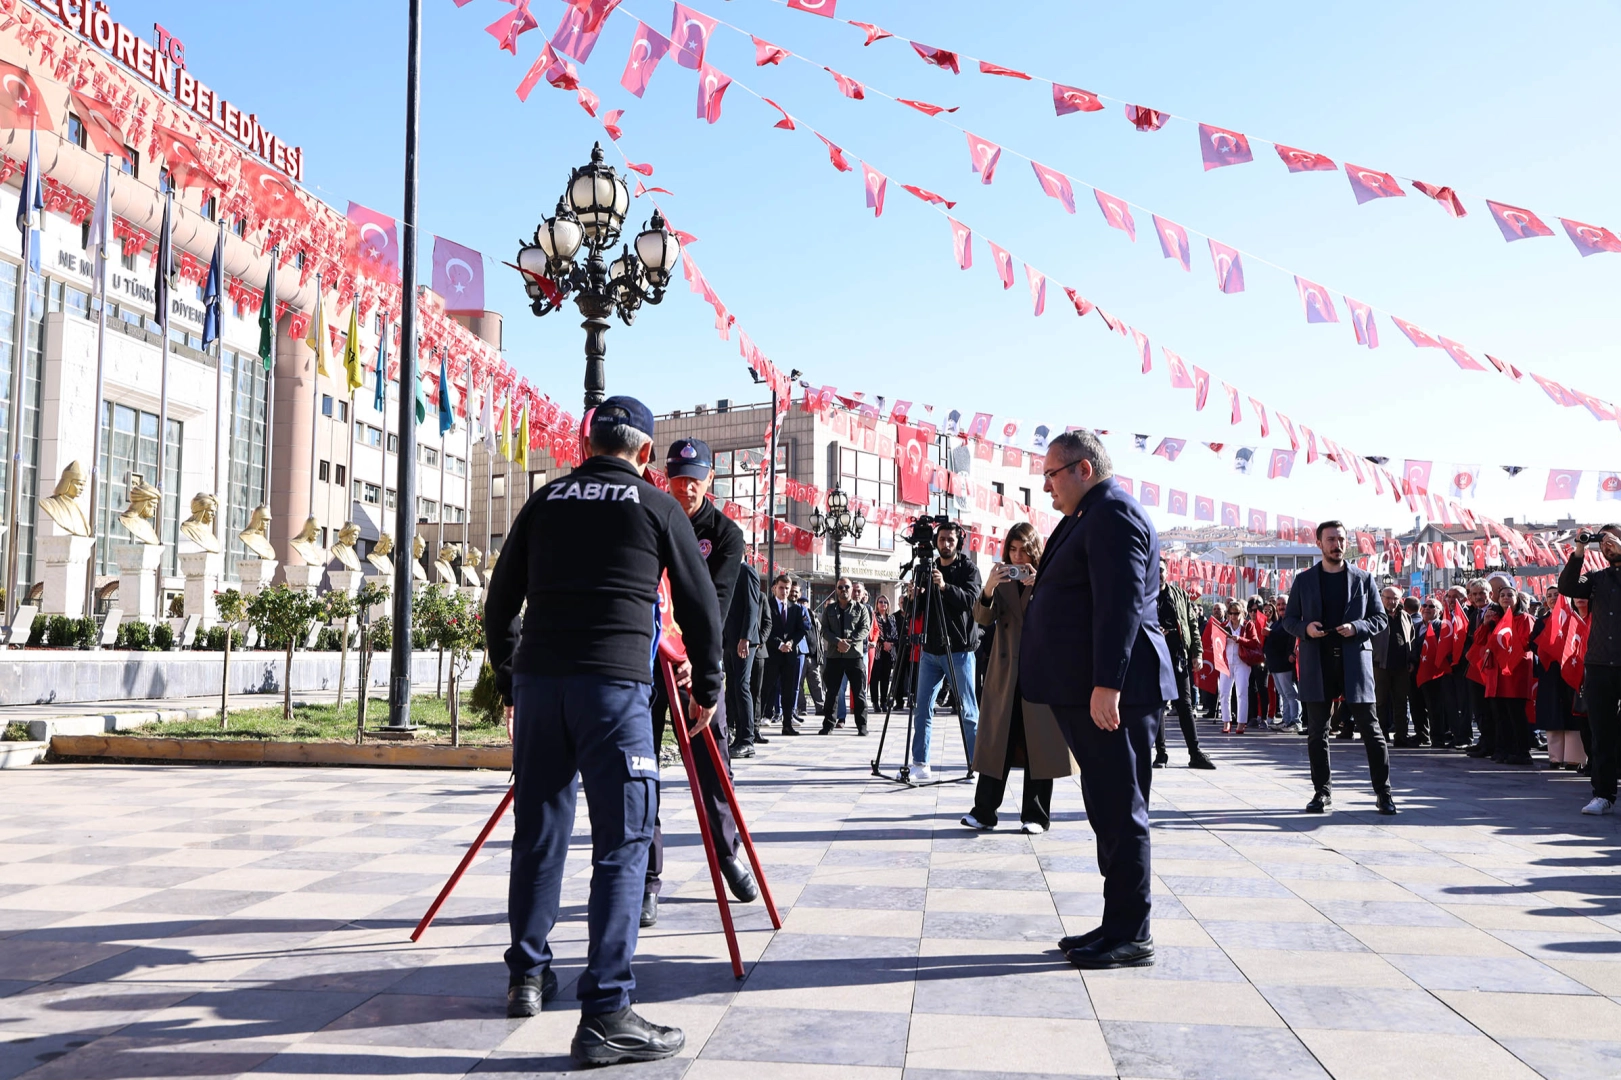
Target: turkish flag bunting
1071	99
787	122
1286	527
1116	213
1144	349
563	75
912	457
1232	401
767	53
712	84
1590	239
1289	429
1416	474
21	103
1311	444
1367	330
1004	265
928	196
689	34
940	58
1319	307
925	107
1201	387
508	28
101	125
834	154
1601	410
962	243
982	156
1516	223
1260	414
1082	305
1418	337
874	33
988	68
1561	484
1173	241
1145	119
1229	515
1220	147
610	124
1204	508
1038	288
643	168
577	34
274	195
1370	184
1460	355
588	99
1056	184
848	86
875	182
1169	448
824	8
185	161
1443	195
1180	379
1257	523
1148	494
1117	325
1303	160
1229	268
647	48
1558	393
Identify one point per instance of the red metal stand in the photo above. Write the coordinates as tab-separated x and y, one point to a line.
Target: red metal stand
461	868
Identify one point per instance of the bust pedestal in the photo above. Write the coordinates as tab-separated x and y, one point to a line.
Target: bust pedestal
346	581
65	558
203	570
138	581
255	574
472	592
307	578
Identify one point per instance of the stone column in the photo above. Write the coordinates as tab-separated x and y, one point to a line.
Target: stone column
345	581
307	578
203	570
65	558
138	581
255	574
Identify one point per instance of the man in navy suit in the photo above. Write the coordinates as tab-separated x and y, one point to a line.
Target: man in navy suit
1334	610
1093	650
787	630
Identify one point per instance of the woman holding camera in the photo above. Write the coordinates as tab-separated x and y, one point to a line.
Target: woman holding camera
1013	731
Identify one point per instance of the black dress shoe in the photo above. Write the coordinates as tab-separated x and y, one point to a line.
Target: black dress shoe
738	879
789	729
743	750
1113	953
1197	760
1321	803
1387	805
1076	941
650	909
1478	751
526	995
761	740
1161	759
612	1038
827	729
861	729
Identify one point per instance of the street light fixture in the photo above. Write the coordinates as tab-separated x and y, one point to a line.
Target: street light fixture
590	215
771	455
837	523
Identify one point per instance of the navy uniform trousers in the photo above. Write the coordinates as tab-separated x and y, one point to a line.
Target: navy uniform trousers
722	823
600	728
1116	767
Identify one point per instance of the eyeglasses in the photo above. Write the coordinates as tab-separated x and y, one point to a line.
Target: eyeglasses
1050	473
844	588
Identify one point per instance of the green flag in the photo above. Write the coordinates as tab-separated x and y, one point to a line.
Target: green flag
422	406
267	316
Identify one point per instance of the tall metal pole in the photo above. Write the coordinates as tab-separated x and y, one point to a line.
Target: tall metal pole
270	383
99	260
399	683
19	347
163	389
771	505
315	386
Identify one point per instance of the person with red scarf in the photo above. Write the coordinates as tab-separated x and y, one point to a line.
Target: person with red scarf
1435	661
1555	696
1573	669
1505	665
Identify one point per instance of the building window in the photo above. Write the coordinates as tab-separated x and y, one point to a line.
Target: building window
342	475
455	514
244	429
23	531
75	130
427	455
211	208
126	259
498	487
240	227
323	536
1024	496
871	479
371	436
298	259
427	510
165	182
737	477
324	471
343	412
537	480
997	484
455	466
389	501
131	160
393	444
326	404
129	448
370	494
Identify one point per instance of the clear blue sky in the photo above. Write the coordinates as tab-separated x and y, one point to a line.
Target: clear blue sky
1490	98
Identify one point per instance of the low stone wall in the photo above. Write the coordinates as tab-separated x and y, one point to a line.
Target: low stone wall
48	676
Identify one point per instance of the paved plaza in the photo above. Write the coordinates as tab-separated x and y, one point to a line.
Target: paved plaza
222	921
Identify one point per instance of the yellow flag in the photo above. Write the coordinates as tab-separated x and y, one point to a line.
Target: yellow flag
352	363
503	444
520	454
317	339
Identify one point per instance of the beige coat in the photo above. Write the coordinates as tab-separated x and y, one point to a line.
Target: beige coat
1049	756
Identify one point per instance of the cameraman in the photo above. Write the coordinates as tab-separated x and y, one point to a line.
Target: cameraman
956	581
1602	685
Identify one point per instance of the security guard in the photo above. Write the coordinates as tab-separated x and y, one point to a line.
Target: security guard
587	552
691	468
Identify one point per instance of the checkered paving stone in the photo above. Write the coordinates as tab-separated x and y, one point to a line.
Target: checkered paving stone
253	921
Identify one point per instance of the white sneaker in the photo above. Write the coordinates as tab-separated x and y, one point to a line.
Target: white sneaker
1034	828
920	773
1599	805
974	823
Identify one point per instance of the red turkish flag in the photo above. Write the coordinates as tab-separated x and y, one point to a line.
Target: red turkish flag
1204	508
1229	514
646	50
1056	184
962	243
1367	330
1145	119
1418	337
1071	99
610	123
1590	239
274	195
988	68
1144	348
689	36
1303	160
940	58
767	53
577	34
835	155
1443	195
1232	402
1220	147
101	125
1201	387
588	99
982	156
1148	494
1082	305
1460	355
1038	288
1289	429
1177	503
508	28
875	183
1370	184
874	33
1554	390
1257	523
1260	414
1173	241
824	8
1116	213
712	84
912	463
21	104
1004	264
1516	223
926	108
1169	448
1286	527
1180	379
1229	268
1561	484
787	122
928	196
1416	474
1319	307
184	160
848	86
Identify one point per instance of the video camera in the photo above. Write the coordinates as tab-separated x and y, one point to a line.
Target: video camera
921	535
1590	536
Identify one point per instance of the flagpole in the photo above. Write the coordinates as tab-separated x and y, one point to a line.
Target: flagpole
399	682
489	483
161	298
99	260
354	425
467	468
382	449
221	508
25	215
315	386
444	400
270	378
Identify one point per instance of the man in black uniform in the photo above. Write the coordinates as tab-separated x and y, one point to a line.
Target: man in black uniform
586	553
741	635
690	467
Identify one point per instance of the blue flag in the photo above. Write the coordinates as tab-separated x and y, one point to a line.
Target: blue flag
212	290
380	401
447	415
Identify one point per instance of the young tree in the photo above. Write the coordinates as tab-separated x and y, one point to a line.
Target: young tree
427	616
373	592
340	608
283	615
233	609
456	624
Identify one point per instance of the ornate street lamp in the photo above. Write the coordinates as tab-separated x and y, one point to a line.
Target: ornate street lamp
837	523
590	215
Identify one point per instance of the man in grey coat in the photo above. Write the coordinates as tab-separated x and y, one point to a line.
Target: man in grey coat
1334	610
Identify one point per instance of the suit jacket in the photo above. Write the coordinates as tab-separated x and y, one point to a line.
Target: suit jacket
743	620
788	626
1393	646
1093	617
1362	610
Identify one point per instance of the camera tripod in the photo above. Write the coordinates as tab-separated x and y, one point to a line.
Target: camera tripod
934	606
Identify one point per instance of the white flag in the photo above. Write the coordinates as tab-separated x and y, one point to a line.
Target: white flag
101	229
1464	477
487	417
1609	485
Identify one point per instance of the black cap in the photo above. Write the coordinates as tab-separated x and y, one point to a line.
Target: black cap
624	410
689	458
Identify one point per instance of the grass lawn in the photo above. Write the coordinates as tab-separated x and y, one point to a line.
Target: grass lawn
327	723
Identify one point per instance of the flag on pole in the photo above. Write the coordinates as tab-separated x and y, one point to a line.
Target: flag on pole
520	441
101	229
267	315
486	418
163	266
380	401
33	190
503	441
447	415
212	291
422	406
353	365
318	338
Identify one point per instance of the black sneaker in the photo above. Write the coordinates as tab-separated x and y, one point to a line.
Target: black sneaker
650	909
738	879
616	1037
1321	803
1197	760
526	995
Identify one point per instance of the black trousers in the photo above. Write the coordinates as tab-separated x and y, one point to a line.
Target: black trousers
1390	689
1116	768
852	668
1419	705
1602	689
883	667
739	697
1513	731
780	690
722	825
1360	714
1183	706
757	680
1037	806
1468	708
1437	697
